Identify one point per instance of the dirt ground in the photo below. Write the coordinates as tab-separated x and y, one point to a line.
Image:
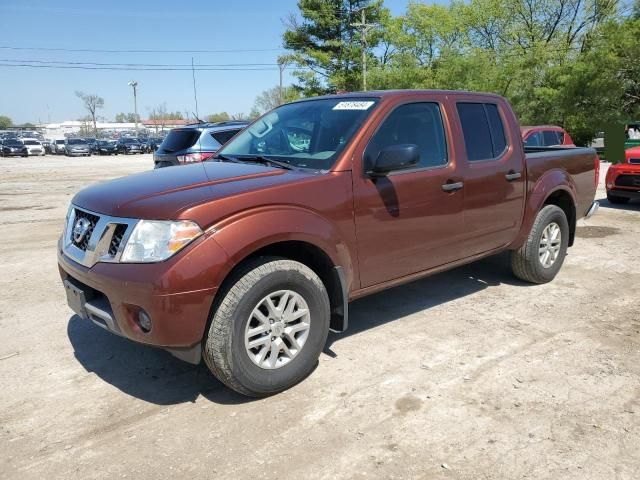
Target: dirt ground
469	374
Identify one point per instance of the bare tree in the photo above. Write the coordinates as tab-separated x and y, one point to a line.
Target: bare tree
92	103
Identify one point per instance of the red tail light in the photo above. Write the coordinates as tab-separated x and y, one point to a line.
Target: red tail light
597	169
195	157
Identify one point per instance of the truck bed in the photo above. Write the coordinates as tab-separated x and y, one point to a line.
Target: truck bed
579	163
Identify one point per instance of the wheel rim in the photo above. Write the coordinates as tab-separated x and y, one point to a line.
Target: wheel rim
277	329
550	244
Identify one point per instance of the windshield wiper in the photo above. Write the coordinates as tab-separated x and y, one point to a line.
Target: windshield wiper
266	161
225	158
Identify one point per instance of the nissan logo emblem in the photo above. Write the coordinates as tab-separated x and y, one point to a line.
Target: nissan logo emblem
80	229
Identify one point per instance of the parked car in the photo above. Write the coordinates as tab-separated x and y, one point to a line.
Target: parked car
47	144
247	261
106	147
623	179
76	146
34	147
58	146
195	143
12	147
129	145
93	144
154	143
546	136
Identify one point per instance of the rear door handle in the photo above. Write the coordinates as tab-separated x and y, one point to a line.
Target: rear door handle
511	176
452	187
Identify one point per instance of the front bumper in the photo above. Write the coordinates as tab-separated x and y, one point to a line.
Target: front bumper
630	194
176	295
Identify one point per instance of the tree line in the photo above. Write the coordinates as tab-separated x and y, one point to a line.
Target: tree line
569	62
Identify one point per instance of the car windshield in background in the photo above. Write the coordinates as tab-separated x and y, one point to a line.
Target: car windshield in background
13	143
59	142
76	141
180	139
132	141
31	142
306	134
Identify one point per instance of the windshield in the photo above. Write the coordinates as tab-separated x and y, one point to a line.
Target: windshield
307	134
31	142
59	142
76	141
13	143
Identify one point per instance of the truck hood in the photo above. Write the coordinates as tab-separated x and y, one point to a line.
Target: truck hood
163	194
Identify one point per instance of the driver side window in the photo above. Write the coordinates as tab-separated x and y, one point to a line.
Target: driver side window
419	124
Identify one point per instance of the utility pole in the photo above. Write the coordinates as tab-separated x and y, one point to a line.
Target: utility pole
281	65
134	85
364	27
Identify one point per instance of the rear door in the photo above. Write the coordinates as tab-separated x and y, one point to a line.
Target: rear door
406	222
494	177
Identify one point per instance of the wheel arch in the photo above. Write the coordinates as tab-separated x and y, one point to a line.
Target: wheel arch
296	234
554	187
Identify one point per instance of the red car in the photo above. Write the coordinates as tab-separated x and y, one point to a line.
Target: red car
623	179
545	136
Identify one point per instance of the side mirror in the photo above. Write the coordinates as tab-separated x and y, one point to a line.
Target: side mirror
395	157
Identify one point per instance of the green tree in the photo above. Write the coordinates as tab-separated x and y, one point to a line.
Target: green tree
271	98
92	103
127	117
5	122
218	117
326	45
553	59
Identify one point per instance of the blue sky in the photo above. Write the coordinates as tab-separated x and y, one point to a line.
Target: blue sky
42	94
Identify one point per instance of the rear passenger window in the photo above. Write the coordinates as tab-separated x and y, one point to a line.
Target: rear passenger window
551	138
533	140
414	123
224	137
483	131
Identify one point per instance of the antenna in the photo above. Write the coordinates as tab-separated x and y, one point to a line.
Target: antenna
195	94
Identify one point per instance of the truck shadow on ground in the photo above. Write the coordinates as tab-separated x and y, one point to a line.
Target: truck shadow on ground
153	375
398	302
633	205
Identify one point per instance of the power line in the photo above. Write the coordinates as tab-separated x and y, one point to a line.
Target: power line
65	62
96	50
159	69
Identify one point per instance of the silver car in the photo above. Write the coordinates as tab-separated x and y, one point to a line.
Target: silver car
76	146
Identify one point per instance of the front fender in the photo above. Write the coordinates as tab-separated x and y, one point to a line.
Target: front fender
544	187
248	231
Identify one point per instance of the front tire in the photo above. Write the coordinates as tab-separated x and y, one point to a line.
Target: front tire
268	328
617	200
543	253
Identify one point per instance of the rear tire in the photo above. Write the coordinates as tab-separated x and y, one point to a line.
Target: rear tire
617	200
542	255
226	347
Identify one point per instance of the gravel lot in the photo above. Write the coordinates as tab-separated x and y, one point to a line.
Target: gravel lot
467	374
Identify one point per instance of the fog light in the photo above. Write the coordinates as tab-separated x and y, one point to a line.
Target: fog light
144	321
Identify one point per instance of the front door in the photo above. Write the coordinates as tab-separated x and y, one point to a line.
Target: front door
407	222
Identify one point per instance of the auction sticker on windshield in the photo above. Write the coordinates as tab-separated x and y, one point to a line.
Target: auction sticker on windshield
353	105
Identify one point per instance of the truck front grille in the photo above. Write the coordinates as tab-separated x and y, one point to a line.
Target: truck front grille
116	240
628	181
83	242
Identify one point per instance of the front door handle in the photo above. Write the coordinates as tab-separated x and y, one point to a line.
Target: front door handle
511	176
452	187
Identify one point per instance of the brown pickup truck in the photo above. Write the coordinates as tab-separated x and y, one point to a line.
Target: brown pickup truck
250	259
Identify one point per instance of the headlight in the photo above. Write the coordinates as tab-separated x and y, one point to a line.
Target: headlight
154	241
